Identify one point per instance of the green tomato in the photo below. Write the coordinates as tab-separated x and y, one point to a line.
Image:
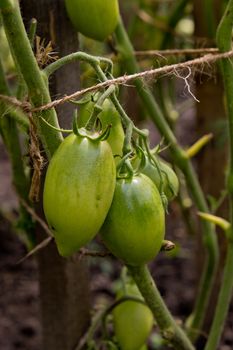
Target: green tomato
134	227
108	116
132	320
170	180
78	191
96	19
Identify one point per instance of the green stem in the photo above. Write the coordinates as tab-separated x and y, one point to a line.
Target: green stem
209	18
38	92
32	31
16	114
181	160
98	107
165	99
22	87
127	122
9	132
224	300
168	327
176	14
223	39
77	56
88	337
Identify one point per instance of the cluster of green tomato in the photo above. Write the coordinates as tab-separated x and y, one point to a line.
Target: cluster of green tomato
82	195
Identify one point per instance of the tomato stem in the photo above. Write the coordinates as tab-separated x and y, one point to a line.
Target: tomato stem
32	31
98	107
68	131
9	132
224	43
10	136
168	327
78	56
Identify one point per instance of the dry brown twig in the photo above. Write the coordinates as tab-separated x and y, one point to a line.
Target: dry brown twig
36	217
35	250
86	252
44	53
37	160
45	227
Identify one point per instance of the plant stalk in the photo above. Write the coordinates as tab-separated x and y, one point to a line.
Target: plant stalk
10	136
176	14
223	38
76	56
168	327
9	132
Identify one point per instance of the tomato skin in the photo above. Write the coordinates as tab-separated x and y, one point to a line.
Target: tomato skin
132	321
78	191
96	19
134	227
170	180
171	183
108	116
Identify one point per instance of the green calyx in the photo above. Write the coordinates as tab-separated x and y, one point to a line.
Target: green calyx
95	136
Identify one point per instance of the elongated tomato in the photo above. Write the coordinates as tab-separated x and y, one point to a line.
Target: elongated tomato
134	227
78	191
95	19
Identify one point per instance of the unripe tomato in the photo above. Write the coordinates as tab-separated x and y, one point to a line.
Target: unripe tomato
78	191
170	180
134	227
132	321
96	19
108	116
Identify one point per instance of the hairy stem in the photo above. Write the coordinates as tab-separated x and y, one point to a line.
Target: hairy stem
126	51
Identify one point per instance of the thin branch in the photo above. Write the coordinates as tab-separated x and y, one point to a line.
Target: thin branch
37	248
93	253
166	246
36	217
